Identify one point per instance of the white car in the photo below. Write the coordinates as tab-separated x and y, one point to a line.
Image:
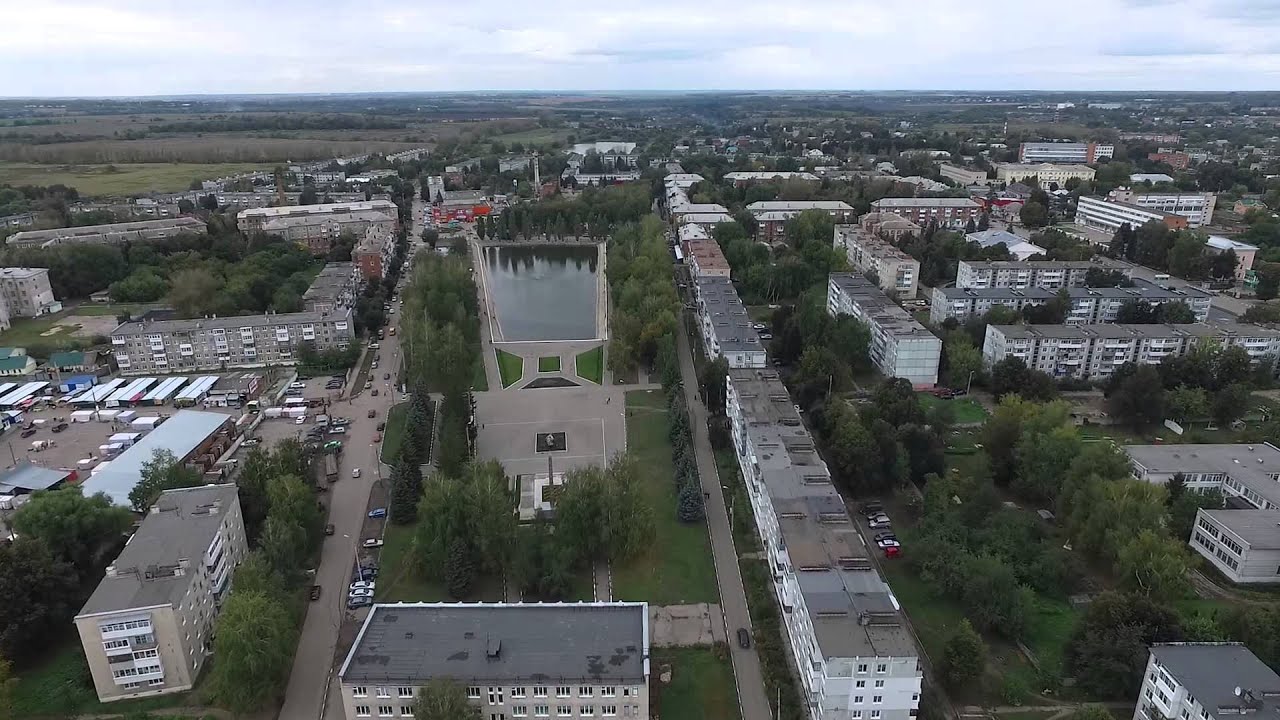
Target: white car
360	593
879	521
362	585
373	543
355	472
301	421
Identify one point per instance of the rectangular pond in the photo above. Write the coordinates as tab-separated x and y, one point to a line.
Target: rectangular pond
543	292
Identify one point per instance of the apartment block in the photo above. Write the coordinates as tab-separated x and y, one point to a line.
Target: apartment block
964	176
335	287
515	660
900	346
173	346
254	219
742	179
1175	160
1064	152
1048	274
1047	174
148	627
1197	208
888	226
1108	215
1205	681
772	215
727	330
318	233
844	627
109	234
1088	305
896	271
1245	253
947	212
1095	351
705	258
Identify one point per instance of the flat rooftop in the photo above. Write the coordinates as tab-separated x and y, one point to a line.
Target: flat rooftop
877	306
1211	673
924	202
1259	528
501	643
1128	332
268	213
1141	290
728	316
871	244
33	236
798	205
179	527
180	434
1254	466
1100	262
136	327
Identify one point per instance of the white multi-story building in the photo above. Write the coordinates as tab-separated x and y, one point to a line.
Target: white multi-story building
1196	207
1108	215
900	346
1095	351
746	178
947	212
727	330
1206	681
964	176
255	219
897	271
847	636
1046	174
1244	545
148	627
1049	274
1087	305
1064	152
515	660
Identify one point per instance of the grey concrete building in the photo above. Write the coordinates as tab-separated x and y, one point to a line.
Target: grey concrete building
1206	681
27	292
897	272
900	346
727	330
1088	305
148	627
516	660
256	218
111	233
1048	274
335	287
1244	545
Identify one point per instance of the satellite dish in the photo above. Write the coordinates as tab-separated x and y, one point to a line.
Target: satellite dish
1237	691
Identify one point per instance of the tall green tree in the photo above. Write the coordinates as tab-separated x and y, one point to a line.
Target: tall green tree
254	644
443	699
162	472
964	657
41	596
1155	565
83	531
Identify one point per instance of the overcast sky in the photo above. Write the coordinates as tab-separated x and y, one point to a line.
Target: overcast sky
129	47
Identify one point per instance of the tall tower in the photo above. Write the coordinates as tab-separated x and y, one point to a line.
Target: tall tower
537	174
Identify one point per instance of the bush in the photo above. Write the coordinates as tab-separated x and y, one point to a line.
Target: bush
690	508
963	658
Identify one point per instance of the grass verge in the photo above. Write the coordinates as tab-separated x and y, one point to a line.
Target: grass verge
589	365
510	367
779	683
677	567
549	363
393	435
60	686
701	687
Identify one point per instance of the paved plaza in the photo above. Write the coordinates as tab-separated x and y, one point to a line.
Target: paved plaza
511	420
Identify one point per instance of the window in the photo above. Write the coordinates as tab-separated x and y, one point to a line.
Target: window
860	684
405	692
563	711
154	682
114	644
857	699
877	699
875	715
562	691
539	691
586	691
383	692
586	710
519	710
882	668
362	711
608	710
497	716
862	668
386	711
540	711
915	697
879	683
473	692
857	715
406	710
608	691
495	696
517	692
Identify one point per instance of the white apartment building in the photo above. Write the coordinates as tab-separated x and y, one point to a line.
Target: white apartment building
1088	305
1095	351
516	660
27	292
254	219
746	178
1048	274
726	327
1045	173
175	346
1243	544
964	176
900	346
1064	152
1108	215
1196	207
845	630
1205	681
897	271
148	627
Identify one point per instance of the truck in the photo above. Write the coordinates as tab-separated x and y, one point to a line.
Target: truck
331	467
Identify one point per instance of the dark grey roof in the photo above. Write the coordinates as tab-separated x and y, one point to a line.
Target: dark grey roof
520	643
26	477
1212	671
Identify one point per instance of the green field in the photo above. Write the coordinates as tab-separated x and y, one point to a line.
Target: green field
964	410
393	435
537	136
590	365
126	179
510	367
701	688
60	686
677	568
549	363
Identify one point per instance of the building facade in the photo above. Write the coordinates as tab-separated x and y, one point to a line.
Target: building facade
1108	215
1205	681
1087	305
947	212
336	287
900	346
254	219
148	627
963	176
1046	174
727	330
1064	152
515	660
1245	253
1048	274
1197	208
1175	160
171	346
109	234
1244	545
772	215
896	271
318	233
846	634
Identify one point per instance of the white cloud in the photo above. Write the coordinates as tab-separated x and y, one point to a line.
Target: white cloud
129	47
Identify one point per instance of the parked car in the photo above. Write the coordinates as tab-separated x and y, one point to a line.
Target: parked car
360	593
378	513
888	543
373	413
375	392
372	543
60	427
381	426
315	592
328	529
871	507
879	521
377	437
885	536
362	585
892	552
766	336
759	326
355	472
298	385
251	442
338	430
744	638
374	346
358	602
28	432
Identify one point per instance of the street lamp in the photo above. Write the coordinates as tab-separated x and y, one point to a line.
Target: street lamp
970	383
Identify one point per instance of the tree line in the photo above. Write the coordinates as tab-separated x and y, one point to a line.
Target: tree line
766	274
642	297
291	121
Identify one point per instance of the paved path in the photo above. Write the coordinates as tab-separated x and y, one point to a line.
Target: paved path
603	581
733	599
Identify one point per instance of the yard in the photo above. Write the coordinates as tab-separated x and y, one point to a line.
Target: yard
400	581
122	178
701	687
589	365
963	409
60	686
678	567
70	329
510	367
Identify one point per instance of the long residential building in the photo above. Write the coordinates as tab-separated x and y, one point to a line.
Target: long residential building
772	215
947	212
964	176
1046	174
174	346
845	629
896	271
109	234
148	627
900	346
727	330
1108	215
1206	681
318	233
742	178
514	660
1064	152
1049	274
1196	207
1095	351
1241	539
335	287
254	219
1088	305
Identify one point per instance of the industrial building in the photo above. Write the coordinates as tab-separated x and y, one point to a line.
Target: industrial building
900	346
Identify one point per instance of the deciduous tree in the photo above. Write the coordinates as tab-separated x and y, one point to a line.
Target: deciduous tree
83	531
443	699
254	645
964	657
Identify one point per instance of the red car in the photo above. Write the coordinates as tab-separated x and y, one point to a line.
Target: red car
892	551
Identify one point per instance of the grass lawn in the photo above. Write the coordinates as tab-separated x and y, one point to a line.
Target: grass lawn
400	581
677	568
510	367
549	363
127	179
537	136
702	686
590	365
964	410
60	685
479	380
394	433
26	332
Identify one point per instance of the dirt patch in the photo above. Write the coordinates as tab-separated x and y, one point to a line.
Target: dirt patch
686	625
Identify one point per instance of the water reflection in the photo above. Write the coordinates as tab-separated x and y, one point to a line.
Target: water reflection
544	292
